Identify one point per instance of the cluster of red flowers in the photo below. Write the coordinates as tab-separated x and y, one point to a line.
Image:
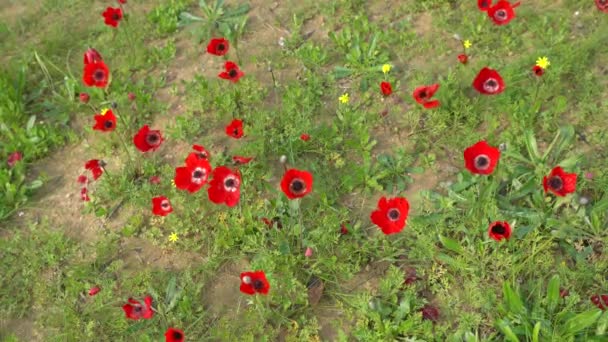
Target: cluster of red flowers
95	167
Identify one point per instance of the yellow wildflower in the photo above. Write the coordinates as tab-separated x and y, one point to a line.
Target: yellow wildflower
104	111
467	44
386	68
173	183
344	98
543	62
173	237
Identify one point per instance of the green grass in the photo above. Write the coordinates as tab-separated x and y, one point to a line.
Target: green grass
484	290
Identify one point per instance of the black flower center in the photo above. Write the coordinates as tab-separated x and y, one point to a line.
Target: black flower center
165	204
177	335
137	308
115	16
499	229
258	284
501	14
99	75
198	174
202	155
538	71
235	132
153	138
422	94
230	183
297	186
484	4
556	183
491	85
232	73
393	214
482	162
221	47
108	124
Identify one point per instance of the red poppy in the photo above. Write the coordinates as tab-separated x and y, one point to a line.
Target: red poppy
430	313
502	13
235	129
602	5
84	97
201	152
462	58
106	121
92	56
161	206
481	158
538	71
94	290
304	137
499	230
254	282
96	167
560	182
225	186
96	74
135	310
601	301
391	214
84	194
241	160
424	94
484	5
232	72
386	88
194	175
218	46
13	158
146	139
174	335
112	16
343	229
296	183
82	179
489	82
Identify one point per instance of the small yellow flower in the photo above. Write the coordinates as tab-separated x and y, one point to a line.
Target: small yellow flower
467	44
173	183
543	62
386	68
173	237
344	98
104	111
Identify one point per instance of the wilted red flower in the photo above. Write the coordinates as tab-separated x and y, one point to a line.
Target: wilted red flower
84	194
135	310
343	229
105	121
174	335
462	58
601	301
84	97
560	182
489	82
122	2
424	94
154	180
430	313
96	74
194	175
386	88
225	186
82	179
96	167
146	139
538	71
502	13
161	206
563	293
241	160
13	158
296	183
218	47
391	214
235	129
254	282
201	152
92	56
271	223
304	137
481	158
94	290
112	16
499	230
232	73
410	276
602	5
484	5
131	96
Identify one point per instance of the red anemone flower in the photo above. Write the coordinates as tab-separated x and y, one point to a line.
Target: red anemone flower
218	46
481	158
94	290
296	183
232	72
499	230
84	97
135	310
161	206
235	129
225	186
386	88
92	56
502	13
602	5
82	179
430	313
112	16
484	5
96	167
194	175
601	301
489	82
462	58
105	121
304	137
560	182
538	71
254	282
343	229
242	160
391	214
96	74
424	94
13	158
174	335
122	2
84	194
147	139
201	152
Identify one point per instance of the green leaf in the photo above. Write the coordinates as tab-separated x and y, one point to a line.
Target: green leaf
513	300
507	331
531	145
342	72
536	332
451	244
602	324
581	321
553	293
30	123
